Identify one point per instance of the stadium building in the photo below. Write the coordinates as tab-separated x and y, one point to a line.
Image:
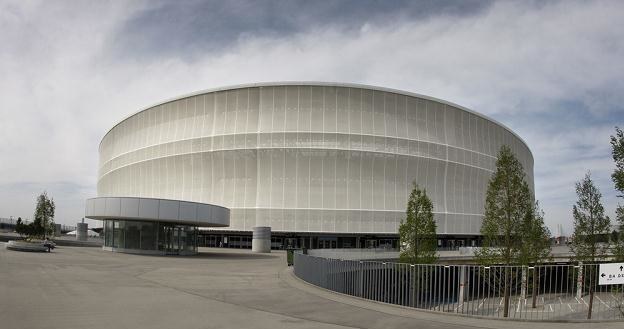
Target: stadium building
325	165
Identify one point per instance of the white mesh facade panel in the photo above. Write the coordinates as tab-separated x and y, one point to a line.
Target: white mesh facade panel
310	158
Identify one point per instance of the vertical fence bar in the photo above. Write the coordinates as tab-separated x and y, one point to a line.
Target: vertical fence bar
436	285
495	273
384	283
337	278
430	283
369	280
393	275
413	286
558	283
417	286
426	283
397	293
351	272
374	281
400	284
569	278
365	283
346	277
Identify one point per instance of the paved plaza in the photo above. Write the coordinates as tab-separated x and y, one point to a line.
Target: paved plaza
75	287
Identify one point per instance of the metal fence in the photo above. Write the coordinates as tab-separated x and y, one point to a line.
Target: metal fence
544	293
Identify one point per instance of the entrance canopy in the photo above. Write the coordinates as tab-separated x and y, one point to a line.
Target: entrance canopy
158	210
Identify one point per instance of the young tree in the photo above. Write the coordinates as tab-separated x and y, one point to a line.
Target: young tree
508	206
44	216
618	237
20	227
617	144
590	223
417	234
535	247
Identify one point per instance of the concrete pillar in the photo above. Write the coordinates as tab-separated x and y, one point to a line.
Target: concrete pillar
57	229
261	241
81	231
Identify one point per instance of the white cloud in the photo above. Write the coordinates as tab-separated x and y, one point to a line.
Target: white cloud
64	83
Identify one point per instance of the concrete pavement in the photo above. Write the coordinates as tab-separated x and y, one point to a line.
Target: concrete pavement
76	287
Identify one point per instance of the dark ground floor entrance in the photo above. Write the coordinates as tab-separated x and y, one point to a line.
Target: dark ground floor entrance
283	240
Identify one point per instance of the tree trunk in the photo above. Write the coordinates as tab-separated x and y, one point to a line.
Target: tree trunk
591	303
523	283
462	287
506	293
579	282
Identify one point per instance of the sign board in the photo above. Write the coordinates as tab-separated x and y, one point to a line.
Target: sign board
612	273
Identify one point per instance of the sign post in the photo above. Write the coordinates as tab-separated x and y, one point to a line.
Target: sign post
612	273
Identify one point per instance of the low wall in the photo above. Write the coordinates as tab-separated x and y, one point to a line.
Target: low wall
352	254
26	246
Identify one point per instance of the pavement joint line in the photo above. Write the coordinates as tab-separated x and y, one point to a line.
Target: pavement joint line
239	305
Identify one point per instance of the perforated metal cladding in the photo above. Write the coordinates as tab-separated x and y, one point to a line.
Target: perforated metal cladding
310	158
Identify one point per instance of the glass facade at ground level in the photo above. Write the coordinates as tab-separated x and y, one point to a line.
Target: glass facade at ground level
150	237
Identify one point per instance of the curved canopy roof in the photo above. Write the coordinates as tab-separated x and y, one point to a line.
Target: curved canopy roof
158	210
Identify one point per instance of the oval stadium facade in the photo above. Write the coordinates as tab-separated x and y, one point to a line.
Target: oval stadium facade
322	164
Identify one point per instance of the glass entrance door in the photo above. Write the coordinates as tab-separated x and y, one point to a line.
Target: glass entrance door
177	239
171	239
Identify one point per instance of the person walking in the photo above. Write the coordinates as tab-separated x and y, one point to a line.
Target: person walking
47	244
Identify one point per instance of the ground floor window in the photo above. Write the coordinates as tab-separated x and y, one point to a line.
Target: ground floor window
166	238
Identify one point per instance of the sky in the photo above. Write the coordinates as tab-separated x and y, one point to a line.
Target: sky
552	71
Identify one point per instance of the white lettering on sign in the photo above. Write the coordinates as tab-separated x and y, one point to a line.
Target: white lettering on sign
612	273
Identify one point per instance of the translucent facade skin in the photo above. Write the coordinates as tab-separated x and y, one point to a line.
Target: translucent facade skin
310	157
